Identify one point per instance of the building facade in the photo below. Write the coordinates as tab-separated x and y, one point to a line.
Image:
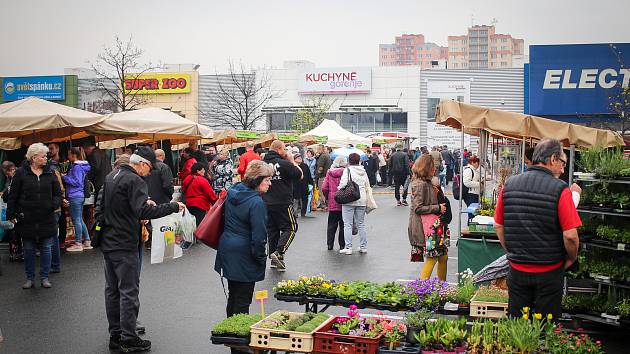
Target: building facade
212	90
361	99
483	48
411	49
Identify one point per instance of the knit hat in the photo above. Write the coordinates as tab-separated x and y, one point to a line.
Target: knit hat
146	153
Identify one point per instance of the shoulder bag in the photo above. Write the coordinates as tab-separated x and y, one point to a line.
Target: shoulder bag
348	193
211	227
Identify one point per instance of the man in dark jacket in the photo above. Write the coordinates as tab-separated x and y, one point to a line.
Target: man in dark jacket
160	181
449	160
371	166
536	221
400	171
123	204
323	165
100	166
300	187
281	224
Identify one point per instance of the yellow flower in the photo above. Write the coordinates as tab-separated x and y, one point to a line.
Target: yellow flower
538	316
526	309
550	317
525	317
326	286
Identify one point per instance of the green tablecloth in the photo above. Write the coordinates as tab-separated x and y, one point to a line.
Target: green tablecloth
476	254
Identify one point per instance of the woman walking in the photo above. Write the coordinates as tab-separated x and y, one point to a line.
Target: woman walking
241	257
75	182
34	197
471	179
223	173
356	209
426	234
199	195
329	188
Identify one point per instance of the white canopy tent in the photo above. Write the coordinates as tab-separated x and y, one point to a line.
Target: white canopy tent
337	136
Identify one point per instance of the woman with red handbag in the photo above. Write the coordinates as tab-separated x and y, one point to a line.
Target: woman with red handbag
426	232
199	194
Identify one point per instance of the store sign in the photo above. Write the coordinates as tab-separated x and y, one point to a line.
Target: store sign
157	83
576	79
45	87
287	138
244	134
439	135
334	81
445	90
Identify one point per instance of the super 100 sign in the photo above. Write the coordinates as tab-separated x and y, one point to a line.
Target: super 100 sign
334	81
157	83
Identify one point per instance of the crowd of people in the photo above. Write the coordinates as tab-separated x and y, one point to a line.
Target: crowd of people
108	206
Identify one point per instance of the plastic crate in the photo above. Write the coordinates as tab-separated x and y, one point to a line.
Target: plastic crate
342	344
474	227
488	309
277	339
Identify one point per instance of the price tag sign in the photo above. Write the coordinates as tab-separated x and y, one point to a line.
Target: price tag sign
621	246
261	296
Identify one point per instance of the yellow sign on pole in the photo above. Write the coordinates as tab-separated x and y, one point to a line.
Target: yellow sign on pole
261	296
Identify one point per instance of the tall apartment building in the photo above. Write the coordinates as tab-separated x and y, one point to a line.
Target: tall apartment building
411	49
483	48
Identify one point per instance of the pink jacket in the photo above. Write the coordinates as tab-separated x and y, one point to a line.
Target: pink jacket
330	185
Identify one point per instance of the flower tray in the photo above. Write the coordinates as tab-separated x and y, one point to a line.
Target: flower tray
320	300
289	298
222	340
486	309
406	348
342	344
278	339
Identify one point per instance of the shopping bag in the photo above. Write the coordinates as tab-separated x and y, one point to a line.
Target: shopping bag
186	228
310	199
378	178
371	203
315	197
211	227
163	239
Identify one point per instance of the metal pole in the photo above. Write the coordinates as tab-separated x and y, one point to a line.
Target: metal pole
571	163
461	184
523	155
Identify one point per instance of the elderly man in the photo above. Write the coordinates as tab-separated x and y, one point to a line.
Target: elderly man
246	158
123	205
160	181
537	222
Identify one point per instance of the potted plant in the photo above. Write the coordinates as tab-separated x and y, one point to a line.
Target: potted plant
426	293
393	333
622	202
475	337
415	321
234	329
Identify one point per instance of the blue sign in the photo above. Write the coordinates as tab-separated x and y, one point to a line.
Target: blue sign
580	79
45	87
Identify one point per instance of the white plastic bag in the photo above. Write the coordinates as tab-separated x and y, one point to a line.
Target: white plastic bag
371	203
163	245
187	226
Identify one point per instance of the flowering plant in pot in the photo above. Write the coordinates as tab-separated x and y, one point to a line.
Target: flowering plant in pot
443	336
426	293
355	325
393	333
416	321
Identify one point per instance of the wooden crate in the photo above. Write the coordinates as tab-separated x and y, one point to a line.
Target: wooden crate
486	309
277	339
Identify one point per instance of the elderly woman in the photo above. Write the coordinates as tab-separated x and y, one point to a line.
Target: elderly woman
223	173
199	195
241	257
424	219
34	197
329	188
355	210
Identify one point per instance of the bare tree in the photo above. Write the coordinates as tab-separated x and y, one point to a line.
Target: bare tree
620	100
238	100
314	110
113	66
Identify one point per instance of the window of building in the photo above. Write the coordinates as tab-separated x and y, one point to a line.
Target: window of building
493	55
454	65
504	63
504	40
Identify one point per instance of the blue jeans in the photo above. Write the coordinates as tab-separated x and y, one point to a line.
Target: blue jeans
55	262
356	213
44	245
76	211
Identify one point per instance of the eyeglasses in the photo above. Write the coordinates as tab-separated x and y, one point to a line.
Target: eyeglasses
564	163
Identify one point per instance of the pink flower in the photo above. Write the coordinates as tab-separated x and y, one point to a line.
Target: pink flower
353	307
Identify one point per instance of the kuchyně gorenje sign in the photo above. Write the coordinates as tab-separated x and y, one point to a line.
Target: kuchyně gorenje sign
156	83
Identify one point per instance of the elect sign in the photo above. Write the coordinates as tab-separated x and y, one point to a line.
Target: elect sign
157	83
576	79
334	81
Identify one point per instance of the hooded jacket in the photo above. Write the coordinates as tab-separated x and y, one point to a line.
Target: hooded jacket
359	176
100	167
242	250
33	201
160	183
300	186
198	192
244	160
399	163
75	179
281	189
330	186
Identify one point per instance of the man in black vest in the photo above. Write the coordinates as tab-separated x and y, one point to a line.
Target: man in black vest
536	221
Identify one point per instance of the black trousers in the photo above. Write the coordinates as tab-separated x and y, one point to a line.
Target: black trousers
239	297
372	178
399	181
335	221
541	292
198	213
281	227
122	286
383	173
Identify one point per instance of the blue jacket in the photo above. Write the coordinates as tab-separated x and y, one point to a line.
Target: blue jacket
75	179
242	249
312	165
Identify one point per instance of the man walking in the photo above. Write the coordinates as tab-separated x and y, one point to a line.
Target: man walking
400	171
537	222
100	166
323	165
124	203
449	161
160	181
281	223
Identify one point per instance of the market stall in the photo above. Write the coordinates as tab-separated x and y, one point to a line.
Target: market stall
334	134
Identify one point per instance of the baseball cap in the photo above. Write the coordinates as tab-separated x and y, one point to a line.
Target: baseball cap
146	153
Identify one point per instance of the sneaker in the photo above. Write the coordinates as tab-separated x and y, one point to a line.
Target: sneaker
87	245
347	251
404	202
398	203
114	342
55	270
28	285
363	250
279	264
140	329
46	283
134	345
77	247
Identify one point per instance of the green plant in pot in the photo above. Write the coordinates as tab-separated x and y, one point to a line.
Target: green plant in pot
415	321
475	337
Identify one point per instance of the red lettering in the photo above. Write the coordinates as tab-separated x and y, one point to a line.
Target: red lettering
165	83
353	76
181	83
154	84
172	83
309	77
128	85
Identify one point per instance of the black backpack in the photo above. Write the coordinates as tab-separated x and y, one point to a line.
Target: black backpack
88	187
457	180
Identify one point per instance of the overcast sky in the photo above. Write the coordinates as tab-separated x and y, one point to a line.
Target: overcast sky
44	37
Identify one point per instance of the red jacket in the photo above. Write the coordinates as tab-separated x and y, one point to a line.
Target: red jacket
198	192
185	172
244	161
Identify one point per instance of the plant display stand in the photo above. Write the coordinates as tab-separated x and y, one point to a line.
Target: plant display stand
343	344
277	339
486	309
